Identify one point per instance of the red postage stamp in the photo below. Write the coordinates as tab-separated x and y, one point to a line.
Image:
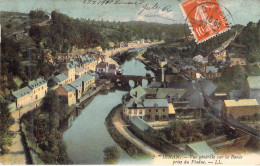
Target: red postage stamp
205	18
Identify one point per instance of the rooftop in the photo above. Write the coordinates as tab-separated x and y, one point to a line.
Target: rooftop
140	124
37	83
61	77
22	92
201	148
189	68
155	103
239	103
102	65
84	78
68	88
253	82
211	69
137	92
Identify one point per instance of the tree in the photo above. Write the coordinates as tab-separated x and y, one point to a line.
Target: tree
111	155
6	121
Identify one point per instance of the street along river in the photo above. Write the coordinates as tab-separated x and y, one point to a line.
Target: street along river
88	137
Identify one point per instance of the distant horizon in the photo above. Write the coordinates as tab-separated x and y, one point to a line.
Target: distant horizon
164	12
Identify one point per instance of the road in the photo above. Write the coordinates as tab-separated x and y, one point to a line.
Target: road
121	127
16	156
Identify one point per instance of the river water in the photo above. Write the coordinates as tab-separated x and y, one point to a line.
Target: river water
88	137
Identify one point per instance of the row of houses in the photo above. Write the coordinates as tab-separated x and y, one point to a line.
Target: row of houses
74	73
160	102
71	93
204	70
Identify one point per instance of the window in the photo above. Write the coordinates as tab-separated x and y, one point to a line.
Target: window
156	110
163	110
140	111
150	110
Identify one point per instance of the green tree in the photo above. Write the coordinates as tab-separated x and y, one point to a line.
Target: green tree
6	121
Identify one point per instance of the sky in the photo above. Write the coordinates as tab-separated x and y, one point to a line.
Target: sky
160	11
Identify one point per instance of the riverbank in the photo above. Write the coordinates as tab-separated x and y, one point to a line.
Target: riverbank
108	54
112	127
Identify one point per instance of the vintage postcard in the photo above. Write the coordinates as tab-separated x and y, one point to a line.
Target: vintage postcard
130	82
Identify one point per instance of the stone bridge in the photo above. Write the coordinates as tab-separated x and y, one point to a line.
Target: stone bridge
124	79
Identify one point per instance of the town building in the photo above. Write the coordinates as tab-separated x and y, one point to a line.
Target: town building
210	71
22	96
190	71
238	61
82	84
39	88
35	90
88	62
238	108
67	94
149	109
102	68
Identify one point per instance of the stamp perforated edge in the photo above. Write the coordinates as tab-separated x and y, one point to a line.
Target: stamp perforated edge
192	30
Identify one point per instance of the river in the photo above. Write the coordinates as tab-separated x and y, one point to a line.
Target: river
88	136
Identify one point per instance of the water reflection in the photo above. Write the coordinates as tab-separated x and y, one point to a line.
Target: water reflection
88	136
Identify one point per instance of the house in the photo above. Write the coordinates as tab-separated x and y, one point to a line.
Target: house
238	61
190	71
199	149
61	79
82	84
253	87
22	96
149	109
156	109
35	90
39	88
112	69
238	108
102	68
211	72
67	94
